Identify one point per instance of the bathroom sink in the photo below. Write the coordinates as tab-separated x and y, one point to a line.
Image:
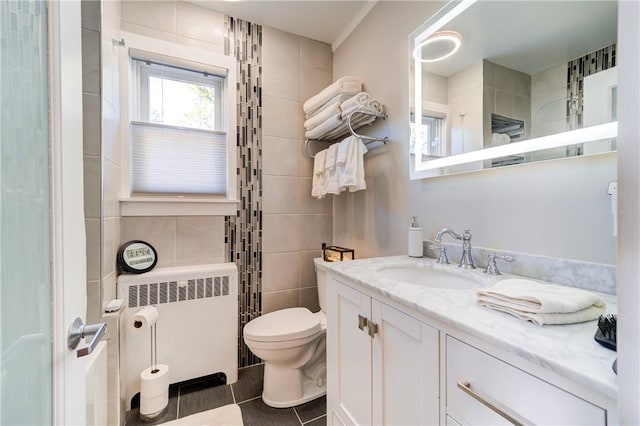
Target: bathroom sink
427	277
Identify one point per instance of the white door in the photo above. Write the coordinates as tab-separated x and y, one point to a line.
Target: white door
405	369
42	257
349	354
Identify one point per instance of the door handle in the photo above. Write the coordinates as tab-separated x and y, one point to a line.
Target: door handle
79	331
373	328
362	322
511	418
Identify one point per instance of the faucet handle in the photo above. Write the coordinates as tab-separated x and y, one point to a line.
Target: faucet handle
442	258
492	266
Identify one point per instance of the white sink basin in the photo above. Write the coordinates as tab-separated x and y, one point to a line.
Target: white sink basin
426	277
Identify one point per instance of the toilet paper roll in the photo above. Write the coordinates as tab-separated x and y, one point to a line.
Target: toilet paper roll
143	319
154	390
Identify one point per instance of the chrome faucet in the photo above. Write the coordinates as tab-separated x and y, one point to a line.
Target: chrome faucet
466	261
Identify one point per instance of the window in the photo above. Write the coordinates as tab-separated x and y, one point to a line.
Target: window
178	143
433	133
178	129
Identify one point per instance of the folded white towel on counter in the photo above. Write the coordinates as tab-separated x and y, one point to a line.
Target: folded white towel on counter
322	116
321	130
542	303
342	86
319	180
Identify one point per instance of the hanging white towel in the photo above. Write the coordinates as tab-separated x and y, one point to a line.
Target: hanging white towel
319	162
319	180
542	303
347	173
343	85
323	128
330	160
360	182
343	151
324	115
331	171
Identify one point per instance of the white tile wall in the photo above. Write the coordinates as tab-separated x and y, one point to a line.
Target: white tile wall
295	225
294	69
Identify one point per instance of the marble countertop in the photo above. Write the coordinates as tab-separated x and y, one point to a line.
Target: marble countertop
568	350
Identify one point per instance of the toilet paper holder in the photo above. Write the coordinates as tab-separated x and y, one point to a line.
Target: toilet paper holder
79	331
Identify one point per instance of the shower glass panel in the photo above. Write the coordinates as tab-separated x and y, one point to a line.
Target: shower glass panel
25	281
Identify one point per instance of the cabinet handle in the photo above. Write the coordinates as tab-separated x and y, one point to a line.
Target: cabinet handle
466	387
373	328
362	322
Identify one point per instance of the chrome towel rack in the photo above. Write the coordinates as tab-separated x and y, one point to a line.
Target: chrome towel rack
349	129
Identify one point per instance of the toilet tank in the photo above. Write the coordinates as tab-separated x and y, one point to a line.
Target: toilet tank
321	278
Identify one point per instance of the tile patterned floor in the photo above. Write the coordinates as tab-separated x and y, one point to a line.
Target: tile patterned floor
194	397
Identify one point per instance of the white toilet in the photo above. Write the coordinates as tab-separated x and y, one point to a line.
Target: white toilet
292	344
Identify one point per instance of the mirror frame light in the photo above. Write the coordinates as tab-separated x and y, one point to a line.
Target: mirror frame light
424	169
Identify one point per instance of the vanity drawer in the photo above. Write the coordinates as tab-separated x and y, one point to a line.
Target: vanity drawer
526	398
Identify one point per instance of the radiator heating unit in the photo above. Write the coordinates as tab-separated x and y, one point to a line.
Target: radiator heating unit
197	331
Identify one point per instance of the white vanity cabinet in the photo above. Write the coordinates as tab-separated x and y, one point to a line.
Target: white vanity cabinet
482	389
387	366
382	364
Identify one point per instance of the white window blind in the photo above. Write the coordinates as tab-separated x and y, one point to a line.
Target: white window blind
174	160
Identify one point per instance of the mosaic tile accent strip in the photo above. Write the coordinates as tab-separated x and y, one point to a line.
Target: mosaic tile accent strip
243	232
577	70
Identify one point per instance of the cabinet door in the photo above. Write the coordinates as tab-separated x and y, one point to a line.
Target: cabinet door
405	369
349	354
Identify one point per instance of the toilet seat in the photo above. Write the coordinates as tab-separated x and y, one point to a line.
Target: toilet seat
283	325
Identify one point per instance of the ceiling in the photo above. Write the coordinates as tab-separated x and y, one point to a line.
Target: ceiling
328	21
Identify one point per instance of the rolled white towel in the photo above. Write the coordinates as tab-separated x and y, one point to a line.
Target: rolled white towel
325	127
338	98
356	123
542	303
359	99
343	85
323	115
372	106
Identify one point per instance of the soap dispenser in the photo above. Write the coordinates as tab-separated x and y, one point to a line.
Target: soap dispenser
415	239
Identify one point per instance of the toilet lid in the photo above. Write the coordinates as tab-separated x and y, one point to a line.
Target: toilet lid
286	324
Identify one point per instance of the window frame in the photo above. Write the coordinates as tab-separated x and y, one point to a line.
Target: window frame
145	69
187	57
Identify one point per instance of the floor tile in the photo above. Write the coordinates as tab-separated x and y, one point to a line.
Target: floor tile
249	384
312	409
322	421
133	416
203	396
257	413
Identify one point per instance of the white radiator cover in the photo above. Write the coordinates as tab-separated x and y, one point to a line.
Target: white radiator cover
197	327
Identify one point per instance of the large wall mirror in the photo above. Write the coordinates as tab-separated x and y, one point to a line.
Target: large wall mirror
501	83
